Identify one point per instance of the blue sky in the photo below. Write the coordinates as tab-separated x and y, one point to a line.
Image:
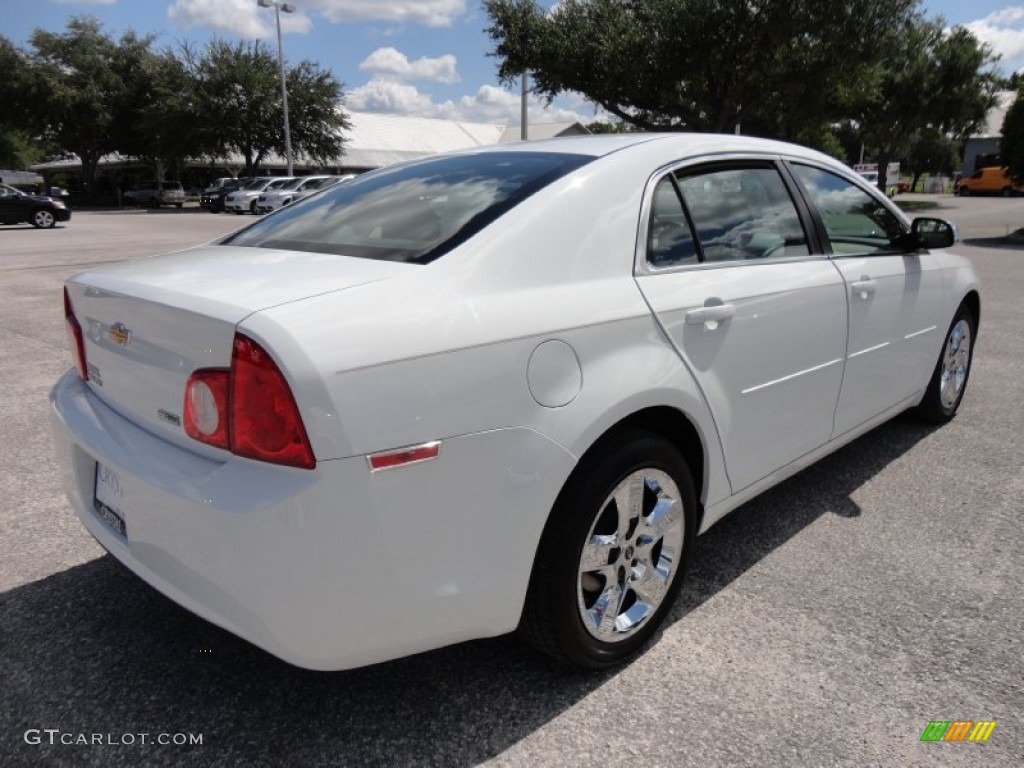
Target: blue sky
417	57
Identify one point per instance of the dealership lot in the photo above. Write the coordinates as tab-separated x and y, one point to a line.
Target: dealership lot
825	623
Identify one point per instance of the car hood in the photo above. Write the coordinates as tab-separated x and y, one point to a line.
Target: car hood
40	199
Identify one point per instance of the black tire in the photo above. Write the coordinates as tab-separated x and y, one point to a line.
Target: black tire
1006	191
561	592
963	192
252	208
178	205
944	394
43	219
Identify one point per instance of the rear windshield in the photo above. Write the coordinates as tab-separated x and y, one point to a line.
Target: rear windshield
171	185
413	213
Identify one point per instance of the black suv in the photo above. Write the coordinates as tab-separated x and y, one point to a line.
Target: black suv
212	198
39	211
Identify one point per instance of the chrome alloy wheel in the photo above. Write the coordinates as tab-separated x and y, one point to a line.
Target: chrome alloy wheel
631	555
955	362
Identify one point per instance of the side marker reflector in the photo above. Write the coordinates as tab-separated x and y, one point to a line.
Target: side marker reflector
410	455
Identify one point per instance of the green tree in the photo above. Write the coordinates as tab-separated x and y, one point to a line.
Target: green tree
78	86
1011	145
236	99
931	151
777	67
933	80
161	122
611	126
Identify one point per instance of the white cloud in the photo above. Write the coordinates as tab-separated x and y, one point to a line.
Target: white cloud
392	64
240	17
246	19
489	104
432	13
391	98
1004	31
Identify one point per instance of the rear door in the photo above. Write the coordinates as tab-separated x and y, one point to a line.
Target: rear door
895	299
731	268
12	207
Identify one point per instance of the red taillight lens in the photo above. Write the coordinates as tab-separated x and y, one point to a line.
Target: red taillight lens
206	407
248	410
75	338
265	423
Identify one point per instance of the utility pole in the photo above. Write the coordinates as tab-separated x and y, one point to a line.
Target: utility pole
523	130
278	8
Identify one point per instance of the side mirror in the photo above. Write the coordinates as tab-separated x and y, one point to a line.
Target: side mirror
929	234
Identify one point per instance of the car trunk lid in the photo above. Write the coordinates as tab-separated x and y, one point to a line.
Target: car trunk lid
148	324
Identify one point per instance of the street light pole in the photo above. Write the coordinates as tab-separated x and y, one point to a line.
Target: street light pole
287	8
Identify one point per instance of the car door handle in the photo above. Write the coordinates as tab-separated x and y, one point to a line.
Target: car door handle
710	316
865	287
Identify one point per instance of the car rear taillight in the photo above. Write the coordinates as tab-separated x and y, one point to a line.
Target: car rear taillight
248	410
75	338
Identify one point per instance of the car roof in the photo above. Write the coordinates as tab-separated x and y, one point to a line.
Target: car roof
681	143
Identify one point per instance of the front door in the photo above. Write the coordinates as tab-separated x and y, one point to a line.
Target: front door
895	304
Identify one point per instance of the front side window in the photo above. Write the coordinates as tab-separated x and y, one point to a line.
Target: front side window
854	221
743	213
412	213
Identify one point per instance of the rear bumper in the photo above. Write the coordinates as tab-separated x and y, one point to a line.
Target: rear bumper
328	569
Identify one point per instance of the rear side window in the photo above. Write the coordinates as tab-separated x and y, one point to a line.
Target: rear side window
743	213
413	213
854	221
670	241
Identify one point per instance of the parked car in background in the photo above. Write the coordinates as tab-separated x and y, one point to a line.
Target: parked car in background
41	211
497	389
155	193
213	196
306	186
987	181
872	177
244	200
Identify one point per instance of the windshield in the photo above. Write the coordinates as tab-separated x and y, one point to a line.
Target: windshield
320	183
414	212
291	184
277	184
258	184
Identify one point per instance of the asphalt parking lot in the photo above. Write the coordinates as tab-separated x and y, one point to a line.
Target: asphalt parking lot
825	623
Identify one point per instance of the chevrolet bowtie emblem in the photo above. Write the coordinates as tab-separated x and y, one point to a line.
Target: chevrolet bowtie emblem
120	334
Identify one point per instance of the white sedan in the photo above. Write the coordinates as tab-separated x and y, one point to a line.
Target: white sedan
289	193
245	199
500	389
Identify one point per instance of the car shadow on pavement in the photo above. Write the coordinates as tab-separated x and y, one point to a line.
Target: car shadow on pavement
93	650
1012	242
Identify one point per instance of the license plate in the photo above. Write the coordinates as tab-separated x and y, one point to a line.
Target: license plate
107	498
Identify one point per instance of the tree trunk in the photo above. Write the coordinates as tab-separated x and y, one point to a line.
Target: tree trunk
883	158
917	177
90	159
